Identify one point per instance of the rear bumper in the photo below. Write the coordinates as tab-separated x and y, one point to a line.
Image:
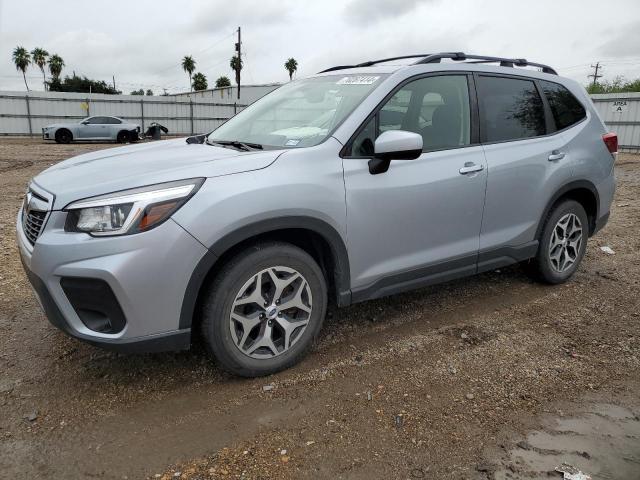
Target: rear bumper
601	222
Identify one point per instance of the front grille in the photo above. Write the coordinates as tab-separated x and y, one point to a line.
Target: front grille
32	224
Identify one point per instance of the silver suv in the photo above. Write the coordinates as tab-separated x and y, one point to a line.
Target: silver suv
359	182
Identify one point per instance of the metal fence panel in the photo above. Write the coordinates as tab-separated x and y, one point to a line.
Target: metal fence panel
621	113
24	114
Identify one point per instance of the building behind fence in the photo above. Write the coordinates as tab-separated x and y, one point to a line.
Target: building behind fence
201	112
183	114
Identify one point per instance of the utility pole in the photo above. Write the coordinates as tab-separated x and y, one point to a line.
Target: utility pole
114	82
239	65
595	75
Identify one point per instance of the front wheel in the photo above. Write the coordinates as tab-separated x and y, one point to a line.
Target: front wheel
563	243
264	309
63	136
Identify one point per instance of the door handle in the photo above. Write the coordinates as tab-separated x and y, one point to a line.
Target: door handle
556	155
471	167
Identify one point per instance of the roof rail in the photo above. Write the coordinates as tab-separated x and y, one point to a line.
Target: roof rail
504	62
373	62
455	56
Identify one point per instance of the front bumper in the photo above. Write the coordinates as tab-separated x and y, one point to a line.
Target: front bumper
147	273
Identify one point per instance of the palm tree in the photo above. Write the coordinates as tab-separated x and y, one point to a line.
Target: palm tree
236	65
199	82
291	66
189	66
56	64
39	56
22	60
223	82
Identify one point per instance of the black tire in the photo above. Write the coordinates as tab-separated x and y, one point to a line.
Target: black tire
541	267
64	136
221	295
122	137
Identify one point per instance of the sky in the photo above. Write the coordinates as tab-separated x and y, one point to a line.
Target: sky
142	43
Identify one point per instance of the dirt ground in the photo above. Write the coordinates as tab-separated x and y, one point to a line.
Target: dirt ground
489	377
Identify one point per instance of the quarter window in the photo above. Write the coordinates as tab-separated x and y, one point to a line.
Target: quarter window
435	107
510	109
566	108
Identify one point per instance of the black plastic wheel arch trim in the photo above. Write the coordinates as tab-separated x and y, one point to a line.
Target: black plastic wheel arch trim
338	248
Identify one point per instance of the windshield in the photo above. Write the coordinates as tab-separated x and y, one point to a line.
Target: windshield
299	114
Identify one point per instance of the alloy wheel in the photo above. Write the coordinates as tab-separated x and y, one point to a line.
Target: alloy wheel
566	240
270	312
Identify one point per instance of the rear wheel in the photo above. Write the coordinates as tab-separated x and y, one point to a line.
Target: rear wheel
563	243
63	136
264	310
123	137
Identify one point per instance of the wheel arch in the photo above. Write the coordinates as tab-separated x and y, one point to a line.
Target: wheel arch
315	236
583	192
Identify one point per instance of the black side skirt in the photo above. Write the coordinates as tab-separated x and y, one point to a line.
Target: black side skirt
446	271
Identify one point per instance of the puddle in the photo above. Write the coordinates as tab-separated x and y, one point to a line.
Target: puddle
603	442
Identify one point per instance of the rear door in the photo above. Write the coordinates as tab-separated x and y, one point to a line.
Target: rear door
419	221
527	163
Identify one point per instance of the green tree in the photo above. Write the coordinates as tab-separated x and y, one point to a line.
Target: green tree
199	82
22	60
82	85
149	93
291	66
137	92
236	65
617	85
223	82
189	66
56	64
39	56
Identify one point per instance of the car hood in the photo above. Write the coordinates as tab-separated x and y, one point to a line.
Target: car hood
115	169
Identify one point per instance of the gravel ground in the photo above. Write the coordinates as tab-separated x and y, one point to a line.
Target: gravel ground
453	381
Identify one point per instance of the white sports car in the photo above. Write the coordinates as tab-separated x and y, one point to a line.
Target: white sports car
92	128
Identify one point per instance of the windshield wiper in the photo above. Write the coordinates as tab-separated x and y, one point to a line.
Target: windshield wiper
245	146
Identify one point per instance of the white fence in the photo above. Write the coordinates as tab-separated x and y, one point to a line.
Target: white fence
621	113
186	114
26	114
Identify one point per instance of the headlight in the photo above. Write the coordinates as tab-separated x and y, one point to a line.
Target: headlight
129	211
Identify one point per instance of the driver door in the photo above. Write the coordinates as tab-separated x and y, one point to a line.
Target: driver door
93	128
419	222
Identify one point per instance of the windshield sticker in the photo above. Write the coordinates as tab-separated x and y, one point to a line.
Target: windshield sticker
292	143
358	80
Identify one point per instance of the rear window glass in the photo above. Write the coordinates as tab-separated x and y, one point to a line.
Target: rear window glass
566	108
510	109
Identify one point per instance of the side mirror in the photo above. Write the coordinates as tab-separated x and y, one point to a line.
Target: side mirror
86	122
394	145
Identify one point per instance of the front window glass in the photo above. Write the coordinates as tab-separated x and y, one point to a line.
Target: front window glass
299	114
435	107
95	120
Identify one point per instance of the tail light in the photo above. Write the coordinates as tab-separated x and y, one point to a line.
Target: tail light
611	141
